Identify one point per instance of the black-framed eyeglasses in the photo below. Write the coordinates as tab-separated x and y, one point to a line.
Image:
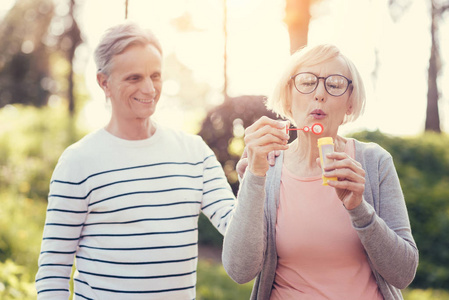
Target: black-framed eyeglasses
306	82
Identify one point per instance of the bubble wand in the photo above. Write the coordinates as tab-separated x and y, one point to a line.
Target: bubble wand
316	128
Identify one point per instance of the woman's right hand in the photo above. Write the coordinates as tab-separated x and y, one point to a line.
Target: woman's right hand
262	137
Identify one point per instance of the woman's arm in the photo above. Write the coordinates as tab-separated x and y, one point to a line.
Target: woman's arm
387	236
245	238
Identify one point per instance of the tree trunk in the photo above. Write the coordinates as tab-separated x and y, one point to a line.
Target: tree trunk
297	18
74	34
432	114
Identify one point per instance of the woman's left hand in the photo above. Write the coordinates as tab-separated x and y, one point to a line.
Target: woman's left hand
351	179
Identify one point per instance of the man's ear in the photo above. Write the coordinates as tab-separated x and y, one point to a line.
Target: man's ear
102	80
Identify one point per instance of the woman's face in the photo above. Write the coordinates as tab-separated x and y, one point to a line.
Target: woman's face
319	106
134	84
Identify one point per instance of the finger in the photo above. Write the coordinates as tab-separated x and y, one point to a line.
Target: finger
278	144
241	166
264	121
277	153
265	130
346	175
245	153
341	156
261	152
341	161
266	135
258	159
357	188
271	158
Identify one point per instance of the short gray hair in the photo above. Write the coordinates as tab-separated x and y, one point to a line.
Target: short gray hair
119	37
280	101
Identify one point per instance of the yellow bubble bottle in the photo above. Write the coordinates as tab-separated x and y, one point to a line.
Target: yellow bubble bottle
326	146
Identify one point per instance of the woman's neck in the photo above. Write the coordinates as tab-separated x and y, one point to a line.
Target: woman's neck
301	157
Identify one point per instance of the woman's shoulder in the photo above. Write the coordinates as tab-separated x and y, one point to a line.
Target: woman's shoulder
370	150
371	155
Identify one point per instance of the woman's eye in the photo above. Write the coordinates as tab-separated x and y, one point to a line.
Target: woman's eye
308	83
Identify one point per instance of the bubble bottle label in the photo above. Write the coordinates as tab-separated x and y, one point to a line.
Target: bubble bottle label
326	146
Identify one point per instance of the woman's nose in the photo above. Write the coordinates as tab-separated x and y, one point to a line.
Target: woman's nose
320	92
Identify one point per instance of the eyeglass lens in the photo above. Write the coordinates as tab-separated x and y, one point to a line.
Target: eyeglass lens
335	85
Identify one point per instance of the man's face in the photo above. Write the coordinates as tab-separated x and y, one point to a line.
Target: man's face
134	84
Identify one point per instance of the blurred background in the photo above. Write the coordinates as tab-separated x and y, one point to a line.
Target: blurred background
221	60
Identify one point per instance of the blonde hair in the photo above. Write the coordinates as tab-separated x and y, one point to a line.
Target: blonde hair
117	38
280	100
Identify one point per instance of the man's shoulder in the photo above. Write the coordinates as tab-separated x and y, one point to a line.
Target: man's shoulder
180	138
91	142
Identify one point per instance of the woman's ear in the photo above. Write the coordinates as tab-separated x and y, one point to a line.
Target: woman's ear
350	109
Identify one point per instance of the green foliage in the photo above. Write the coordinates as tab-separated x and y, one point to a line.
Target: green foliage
422	163
214	283
15	282
207	233
223	130
429	294
21	220
31	141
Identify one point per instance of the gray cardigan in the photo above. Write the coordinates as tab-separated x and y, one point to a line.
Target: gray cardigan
381	222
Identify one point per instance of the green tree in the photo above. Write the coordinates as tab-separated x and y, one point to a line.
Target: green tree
422	164
437	10
223	130
24	56
31	36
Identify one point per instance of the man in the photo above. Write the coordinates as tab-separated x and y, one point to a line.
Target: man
124	201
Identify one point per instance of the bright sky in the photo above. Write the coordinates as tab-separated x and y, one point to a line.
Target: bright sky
258	49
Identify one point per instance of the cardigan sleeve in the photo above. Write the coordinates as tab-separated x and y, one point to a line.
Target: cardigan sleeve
385	232
244	242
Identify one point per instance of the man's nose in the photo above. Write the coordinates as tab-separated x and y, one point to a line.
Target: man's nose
148	87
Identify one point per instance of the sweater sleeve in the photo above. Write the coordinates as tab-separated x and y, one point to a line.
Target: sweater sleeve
218	199
386	235
66	211
245	239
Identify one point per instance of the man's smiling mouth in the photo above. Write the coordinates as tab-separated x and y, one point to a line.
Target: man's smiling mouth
144	100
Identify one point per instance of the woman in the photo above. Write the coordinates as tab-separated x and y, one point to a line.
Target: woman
298	238
124	201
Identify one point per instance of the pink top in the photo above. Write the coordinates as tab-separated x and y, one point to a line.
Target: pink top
319	253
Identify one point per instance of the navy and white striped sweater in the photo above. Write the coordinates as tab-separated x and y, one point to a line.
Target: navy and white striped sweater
128	212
